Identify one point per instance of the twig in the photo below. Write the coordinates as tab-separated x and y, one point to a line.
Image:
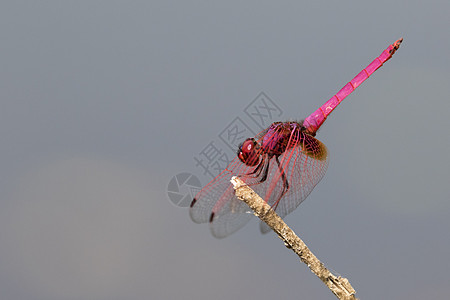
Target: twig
338	285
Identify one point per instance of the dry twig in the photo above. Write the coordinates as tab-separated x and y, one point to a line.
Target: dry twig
338	285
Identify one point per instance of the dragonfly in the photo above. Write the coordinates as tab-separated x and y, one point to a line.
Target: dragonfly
282	164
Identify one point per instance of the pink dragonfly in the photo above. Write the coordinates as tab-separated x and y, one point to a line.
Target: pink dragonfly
282	164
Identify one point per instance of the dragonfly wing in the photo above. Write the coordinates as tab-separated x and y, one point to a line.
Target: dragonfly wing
300	167
304	171
304	165
217	204
231	217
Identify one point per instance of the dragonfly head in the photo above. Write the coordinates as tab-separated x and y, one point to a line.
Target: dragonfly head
249	152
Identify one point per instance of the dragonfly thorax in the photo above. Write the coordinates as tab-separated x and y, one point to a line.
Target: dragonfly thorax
274	141
280	136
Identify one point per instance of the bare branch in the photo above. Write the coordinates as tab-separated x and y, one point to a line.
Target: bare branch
338	285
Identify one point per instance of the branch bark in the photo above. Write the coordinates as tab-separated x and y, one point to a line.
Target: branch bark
339	286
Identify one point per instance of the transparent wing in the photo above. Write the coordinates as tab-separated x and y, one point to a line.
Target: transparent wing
217	204
284	185
304	165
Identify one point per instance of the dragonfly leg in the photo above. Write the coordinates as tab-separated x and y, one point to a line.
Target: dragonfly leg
283	175
262	167
257	170
285	184
266	171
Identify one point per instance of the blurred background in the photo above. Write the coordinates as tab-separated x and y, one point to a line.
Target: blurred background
104	102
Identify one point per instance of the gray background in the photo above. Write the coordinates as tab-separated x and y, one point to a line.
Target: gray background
102	102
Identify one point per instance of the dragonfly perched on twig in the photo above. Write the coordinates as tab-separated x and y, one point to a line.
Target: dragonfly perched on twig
282	164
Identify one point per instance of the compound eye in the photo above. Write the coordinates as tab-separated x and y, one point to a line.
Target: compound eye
249	152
